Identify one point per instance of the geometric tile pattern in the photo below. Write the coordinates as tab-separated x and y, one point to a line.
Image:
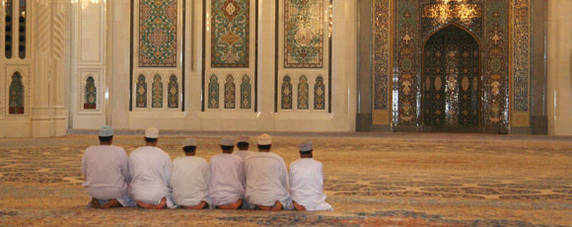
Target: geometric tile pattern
303	33
381	58
213	99
16	99
520	53
245	93
90	98
407	42
496	65
229	93
319	94
141	96
8	31
303	93
287	91
173	99
22	29
230	36
158	33
157	92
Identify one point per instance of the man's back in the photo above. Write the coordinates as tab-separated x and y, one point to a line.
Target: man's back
227	177
266	178
150	169
106	171
189	180
306	184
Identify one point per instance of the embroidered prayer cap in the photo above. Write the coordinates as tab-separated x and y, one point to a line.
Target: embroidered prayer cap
306	146
227	141
243	139
152	133
189	142
264	139
106	131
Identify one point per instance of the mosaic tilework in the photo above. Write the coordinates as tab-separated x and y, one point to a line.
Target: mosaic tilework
496	79
407	62
213	92
319	94
472	20
303	33
229	93
286	94
157	92
16	95
520	53
90	96
141	95
173	99
245	93
158	33
303	93
381	54
230	36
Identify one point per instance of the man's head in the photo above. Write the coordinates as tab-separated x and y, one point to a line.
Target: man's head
227	144
189	147
243	144
264	143
151	136
306	149
106	135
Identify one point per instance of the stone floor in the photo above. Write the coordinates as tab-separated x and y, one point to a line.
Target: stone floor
370	179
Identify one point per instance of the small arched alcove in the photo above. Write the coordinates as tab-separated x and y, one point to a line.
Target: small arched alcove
451	81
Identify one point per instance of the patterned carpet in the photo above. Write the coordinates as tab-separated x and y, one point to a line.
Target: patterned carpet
370	179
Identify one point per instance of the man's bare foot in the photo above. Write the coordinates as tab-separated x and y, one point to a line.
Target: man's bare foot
277	206
298	207
201	205
232	206
161	205
94	204
111	204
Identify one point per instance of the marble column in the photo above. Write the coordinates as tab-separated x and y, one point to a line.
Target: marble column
559	60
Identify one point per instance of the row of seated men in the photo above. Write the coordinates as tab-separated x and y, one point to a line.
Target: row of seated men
244	179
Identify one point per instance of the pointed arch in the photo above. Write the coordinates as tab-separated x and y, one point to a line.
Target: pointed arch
286	103
173	97
303	93
213	92
157	92
245	92
141	95
319	94
229	93
16	103
90	94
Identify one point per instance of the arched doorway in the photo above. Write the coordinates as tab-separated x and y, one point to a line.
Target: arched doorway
451	81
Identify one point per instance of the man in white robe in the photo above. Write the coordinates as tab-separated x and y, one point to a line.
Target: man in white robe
226	188
190	178
106	171
306	182
150	169
267	178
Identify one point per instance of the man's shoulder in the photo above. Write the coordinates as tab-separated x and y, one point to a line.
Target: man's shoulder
305	162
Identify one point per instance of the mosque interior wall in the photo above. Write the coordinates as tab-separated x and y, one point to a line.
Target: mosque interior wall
240	65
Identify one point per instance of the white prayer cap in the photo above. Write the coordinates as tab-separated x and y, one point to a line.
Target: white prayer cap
189	142
306	146
106	131
227	141
152	133
243	139
264	139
